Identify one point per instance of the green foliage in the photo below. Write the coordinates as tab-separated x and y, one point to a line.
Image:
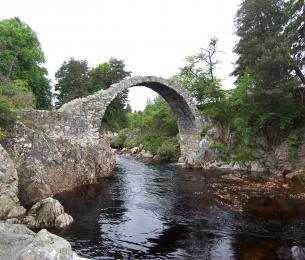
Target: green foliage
72	80
121	137
296	30
21	58
7	115
2	134
262	48
13	96
75	80
243	155
244	131
203	132
168	151
198	75
154	127
17	94
294	142
224	151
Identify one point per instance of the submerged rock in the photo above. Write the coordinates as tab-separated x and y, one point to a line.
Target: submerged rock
19	242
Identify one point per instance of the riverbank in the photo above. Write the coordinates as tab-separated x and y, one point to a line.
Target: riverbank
235	187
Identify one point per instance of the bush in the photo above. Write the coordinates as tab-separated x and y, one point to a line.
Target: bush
18	94
243	155
7	115
204	132
13	96
131	143
223	150
121	138
2	134
168	151
294	142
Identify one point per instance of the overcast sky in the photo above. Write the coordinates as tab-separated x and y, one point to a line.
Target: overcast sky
151	36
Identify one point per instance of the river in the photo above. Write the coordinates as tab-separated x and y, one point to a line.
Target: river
160	211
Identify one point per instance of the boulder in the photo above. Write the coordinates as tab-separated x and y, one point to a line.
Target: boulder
134	150
181	159
255	166
63	220
141	147
9	201
47	213
19	242
16	212
205	153
157	157
299	175
147	155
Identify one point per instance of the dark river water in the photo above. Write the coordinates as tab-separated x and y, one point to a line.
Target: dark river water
159	211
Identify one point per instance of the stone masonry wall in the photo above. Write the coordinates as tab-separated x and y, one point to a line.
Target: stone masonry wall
189	120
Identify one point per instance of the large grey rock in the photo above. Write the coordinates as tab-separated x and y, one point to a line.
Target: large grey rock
63	220
47	213
147	155
205	153
18	242
134	150
285	163
9	201
56	152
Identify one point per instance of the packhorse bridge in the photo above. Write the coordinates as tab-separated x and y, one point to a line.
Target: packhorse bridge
189	120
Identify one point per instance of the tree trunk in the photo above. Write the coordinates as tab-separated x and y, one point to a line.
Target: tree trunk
300	74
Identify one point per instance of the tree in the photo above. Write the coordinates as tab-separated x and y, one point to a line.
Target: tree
268	62
21	58
198	75
102	77
72	81
263	49
106	74
296	34
75	80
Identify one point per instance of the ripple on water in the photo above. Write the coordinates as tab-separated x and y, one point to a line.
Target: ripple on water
159	211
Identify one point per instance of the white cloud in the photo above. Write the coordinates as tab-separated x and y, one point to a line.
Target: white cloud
152	36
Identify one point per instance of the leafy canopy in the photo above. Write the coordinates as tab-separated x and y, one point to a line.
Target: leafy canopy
21	58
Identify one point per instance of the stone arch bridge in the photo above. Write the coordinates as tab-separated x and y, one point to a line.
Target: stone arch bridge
189	120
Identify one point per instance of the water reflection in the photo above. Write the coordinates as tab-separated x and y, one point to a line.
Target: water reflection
159	211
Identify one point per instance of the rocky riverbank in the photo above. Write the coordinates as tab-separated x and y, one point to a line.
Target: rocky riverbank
19	242
47	153
140	153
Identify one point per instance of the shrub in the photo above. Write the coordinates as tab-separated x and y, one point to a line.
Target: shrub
2	134
131	143
121	137
223	150
168	151
294	142
204	132
7	115
243	155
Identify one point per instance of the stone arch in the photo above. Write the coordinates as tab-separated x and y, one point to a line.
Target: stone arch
189	120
